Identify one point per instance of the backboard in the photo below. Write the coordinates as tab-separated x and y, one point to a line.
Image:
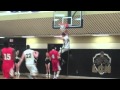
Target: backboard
72	18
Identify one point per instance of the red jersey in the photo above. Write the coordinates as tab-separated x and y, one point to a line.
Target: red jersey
7	54
53	54
8	61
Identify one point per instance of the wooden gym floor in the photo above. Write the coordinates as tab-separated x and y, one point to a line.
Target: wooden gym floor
42	76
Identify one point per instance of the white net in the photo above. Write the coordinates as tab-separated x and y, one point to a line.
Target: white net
63	27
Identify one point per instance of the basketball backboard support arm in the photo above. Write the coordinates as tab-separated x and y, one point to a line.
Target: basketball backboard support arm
69	15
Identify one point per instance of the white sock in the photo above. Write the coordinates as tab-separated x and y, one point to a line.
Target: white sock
54	74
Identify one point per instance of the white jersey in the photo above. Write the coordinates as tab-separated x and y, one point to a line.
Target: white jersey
29	57
66	42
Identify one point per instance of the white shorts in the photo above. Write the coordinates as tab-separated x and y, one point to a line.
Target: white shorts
64	50
32	69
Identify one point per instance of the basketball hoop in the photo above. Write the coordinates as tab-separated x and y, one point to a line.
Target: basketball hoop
63	26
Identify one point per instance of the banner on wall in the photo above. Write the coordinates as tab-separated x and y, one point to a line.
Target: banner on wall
101	63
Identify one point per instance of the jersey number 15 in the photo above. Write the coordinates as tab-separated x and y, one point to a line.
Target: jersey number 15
7	56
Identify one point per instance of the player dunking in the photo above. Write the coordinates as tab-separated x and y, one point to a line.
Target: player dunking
8	57
29	55
66	40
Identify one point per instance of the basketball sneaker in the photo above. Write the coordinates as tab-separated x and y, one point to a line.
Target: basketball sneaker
18	73
57	76
49	75
54	77
11	72
46	75
30	77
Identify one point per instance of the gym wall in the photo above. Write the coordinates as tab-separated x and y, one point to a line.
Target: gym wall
107	23
83	49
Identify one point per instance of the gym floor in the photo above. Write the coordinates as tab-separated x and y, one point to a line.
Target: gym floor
42	76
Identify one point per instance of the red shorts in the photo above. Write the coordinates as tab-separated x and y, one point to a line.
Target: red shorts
55	64
6	68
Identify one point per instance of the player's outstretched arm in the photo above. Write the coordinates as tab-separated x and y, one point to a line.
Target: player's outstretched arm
21	60
36	54
60	38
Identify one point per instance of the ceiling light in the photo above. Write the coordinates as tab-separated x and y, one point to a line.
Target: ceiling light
101	35
58	36
2	37
27	36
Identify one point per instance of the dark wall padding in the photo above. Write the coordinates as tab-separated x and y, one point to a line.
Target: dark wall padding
64	63
18	44
80	63
41	60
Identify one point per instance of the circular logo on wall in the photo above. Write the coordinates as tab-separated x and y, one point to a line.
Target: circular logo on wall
101	63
